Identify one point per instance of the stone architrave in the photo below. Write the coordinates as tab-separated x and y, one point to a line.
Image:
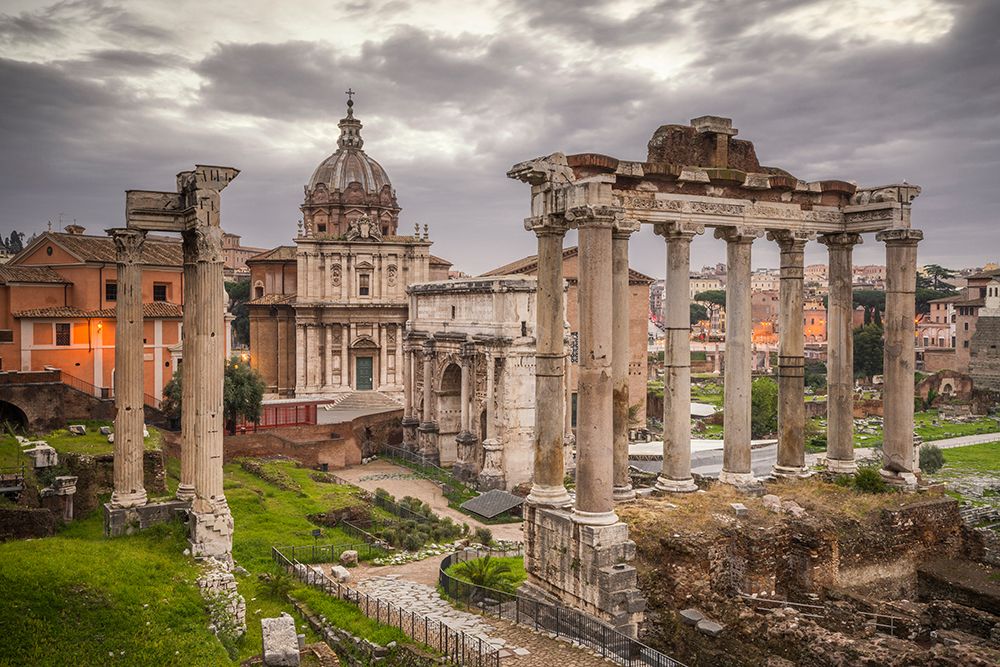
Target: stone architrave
736	468
622	490
547	487
840	354
129	417
595	460
900	465
791	461
675	477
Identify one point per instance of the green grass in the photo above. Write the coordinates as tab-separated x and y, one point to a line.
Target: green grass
984	458
924	427
92	443
711	393
261	605
348	616
74	598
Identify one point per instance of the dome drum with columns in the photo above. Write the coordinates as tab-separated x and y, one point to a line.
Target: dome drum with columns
348	185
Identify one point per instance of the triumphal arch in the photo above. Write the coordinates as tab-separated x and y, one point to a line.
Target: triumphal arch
695	177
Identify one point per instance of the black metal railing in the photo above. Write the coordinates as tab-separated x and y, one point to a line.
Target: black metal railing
455	646
329	553
543	617
435	472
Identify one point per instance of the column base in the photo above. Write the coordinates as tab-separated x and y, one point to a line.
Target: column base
791	472
737	478
594	518
185	492
549	496
667	485
842	466
409	425
427	434
128	500
211	535
904	480
623	494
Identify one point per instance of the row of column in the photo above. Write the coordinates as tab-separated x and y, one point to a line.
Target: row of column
316	354
339	276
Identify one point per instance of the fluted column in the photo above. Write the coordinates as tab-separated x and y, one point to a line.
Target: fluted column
622	490
791	460
675	476
328	357
189	372
345	357
465	440
595	459
736	463
840	354
300	357
128	481
900	461
428	429
547	484
410	419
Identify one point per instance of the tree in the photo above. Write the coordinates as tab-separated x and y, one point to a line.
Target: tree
698	313
868	351
15	242
716	297
815	374
239	294
242	394
763	407
924	296
938	274
873	301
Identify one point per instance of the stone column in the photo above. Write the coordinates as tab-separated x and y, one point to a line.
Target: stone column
840	354
410	421
622	490
129	447
345	357
213	523
717	361
428	429
569	439
189	372
547	487
300	357
595	459
492	474
383	356
736	468
900	464
466	465
675	476
791	356
328	358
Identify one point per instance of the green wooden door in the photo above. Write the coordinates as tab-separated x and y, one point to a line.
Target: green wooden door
363	374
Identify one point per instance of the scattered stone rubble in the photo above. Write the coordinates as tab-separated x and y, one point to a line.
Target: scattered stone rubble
226	606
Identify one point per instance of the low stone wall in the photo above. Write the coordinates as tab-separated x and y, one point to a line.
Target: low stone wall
19	523
126	521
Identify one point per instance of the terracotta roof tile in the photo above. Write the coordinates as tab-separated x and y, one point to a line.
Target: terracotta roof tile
51	311
272	300
29	274
157	310
282	253
157	251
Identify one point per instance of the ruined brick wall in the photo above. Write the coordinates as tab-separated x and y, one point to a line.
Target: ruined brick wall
95	476
18	523
51	405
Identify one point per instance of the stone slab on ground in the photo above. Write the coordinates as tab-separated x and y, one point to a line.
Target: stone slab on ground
280	641
691	616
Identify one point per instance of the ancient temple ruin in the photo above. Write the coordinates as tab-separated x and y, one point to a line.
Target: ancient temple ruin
695	177
193	211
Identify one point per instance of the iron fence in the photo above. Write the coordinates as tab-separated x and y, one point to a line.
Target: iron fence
422	461
563	622
455	646
803	609
329	553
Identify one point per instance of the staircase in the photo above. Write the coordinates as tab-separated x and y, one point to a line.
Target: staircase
366	401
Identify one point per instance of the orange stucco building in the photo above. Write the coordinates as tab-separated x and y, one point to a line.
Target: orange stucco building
57	309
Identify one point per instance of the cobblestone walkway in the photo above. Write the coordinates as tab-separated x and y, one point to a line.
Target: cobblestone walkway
519	646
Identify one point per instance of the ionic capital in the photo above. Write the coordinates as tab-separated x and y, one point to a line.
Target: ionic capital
900	237
600	215
624	228
546	225
128	245
790	240
738	234
842	240
678	231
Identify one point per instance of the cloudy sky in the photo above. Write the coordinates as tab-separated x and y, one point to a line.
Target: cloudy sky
102	96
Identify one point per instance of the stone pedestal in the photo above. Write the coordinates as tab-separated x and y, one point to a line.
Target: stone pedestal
129	415
410	425
491	476
900	463
427	442
840	355
120	521
582	566
465	468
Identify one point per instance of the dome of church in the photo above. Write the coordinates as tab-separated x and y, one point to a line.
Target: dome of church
350	164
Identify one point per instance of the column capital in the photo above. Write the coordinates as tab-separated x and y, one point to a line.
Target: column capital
624	228
738	234
841	239
546	225
790	240
599	215
900	237
128	244
678	231
430	348
468	351
202	244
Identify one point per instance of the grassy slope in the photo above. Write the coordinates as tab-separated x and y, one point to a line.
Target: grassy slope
92	443
75	598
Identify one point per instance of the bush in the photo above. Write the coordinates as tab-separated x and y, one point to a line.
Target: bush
931	458
277	586
412	542
763	407
484	536
869	480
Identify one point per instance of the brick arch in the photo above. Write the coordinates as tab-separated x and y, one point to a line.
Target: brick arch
13	415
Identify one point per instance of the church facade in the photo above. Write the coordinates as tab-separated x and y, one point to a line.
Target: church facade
327	315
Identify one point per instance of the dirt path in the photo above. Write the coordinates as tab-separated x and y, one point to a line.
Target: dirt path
400	481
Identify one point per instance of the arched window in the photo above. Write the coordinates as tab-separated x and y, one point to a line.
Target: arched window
258	290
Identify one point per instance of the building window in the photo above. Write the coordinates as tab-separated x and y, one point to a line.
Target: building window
111	291
966	326
159	291
258	290
62	333
965	343
6	335
453	312
321	229
364	284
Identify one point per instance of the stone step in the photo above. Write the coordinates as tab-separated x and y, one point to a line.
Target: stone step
366	400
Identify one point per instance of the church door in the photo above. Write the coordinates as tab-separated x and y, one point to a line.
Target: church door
363	374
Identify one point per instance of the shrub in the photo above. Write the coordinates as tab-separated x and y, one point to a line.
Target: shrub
484	536
277	585
763	407
412	542
869	480
488	573
931	458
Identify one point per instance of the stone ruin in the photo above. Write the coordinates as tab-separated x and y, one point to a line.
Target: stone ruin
193	211
695	177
